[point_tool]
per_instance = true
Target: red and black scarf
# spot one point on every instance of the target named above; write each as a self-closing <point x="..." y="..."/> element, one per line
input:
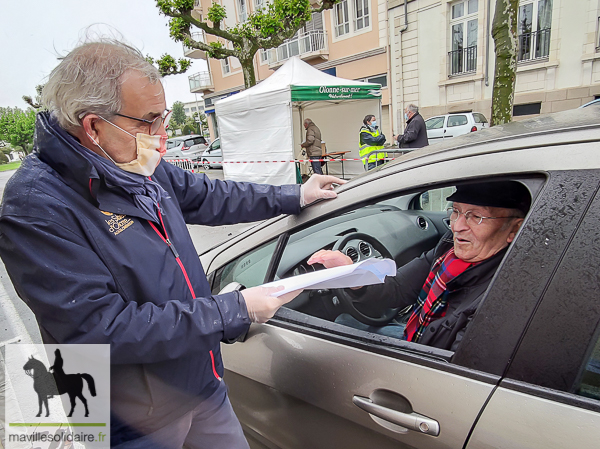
<point x="433" y="300"/>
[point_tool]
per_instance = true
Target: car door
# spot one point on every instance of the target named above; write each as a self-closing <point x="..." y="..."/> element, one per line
<point x="456" y="125"/>
<point x="302" y="381"/>
<point x="435" y="128"/>
<point x="550" y="397"/>
<point x="214" y="155"/>
<point x="480" y="121"/>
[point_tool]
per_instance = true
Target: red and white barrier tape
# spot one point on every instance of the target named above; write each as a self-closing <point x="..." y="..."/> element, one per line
<point x="266" y="162"/>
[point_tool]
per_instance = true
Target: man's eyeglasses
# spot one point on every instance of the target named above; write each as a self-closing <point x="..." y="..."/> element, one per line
<point x="154" y="124"/>
<point x="470" y="217"/>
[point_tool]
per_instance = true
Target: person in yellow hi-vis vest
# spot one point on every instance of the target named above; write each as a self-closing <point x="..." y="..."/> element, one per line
<point x="371" y="143"/>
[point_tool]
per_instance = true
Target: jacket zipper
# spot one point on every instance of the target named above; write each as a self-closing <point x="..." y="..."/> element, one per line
<point x="212" y="359"/>
<point x="166" y="239"/>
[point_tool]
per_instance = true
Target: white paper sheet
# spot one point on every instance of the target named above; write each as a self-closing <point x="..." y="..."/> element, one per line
<point x="367" y="272"/>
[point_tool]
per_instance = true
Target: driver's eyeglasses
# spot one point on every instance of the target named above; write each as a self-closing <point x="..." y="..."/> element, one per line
<point x="162" y="119"/>
<point x="470" y="217"/>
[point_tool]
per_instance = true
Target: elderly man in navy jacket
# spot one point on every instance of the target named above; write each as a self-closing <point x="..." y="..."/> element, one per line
<point x="93" y="235"/>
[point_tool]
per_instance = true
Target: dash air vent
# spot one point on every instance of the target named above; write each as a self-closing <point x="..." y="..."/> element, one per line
<point x="364" y="249"/>
<point x="422" y="222"/>
<point x="352" y="254"/>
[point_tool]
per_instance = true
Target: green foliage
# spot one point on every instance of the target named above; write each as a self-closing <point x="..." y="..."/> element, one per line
<point x="266" y="28"/>
<point x="216" y="13"/>
<point x="17" y="127"/>
<point x="178" y="115"/>
<point x="37" y="103"/>
<point x="167" y="65"/>
<point x="3" y="158"/>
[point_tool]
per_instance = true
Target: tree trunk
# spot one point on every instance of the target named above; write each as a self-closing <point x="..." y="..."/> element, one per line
<point x="248" y="71"/>
<point x="504" y="32"/>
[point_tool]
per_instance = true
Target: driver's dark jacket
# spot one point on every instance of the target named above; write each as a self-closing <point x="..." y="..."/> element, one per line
<point x="465" y="293"/>
<point x="93" y="269"/>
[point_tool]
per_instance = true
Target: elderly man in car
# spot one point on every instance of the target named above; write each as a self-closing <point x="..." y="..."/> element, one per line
<point x="446" y="285"/>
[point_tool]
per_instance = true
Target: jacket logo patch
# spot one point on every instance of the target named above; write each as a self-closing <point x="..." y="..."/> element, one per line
<point x="117" y="223"/>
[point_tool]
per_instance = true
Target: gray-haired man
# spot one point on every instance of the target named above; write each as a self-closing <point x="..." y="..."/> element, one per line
<point x="93" y="235"/>
<point x="415" y="134"/>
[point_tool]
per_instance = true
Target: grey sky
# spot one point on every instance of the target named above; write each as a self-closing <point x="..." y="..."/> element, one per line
<point x="34" y="32"/>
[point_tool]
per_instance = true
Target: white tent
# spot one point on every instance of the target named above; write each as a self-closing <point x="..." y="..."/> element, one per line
<point x="264" y="123"/>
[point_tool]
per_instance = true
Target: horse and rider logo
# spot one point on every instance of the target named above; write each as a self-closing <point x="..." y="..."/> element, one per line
<point x="49" y="384"/>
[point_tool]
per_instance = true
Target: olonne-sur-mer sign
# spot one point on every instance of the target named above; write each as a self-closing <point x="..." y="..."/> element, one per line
<point x="315" y="93"/>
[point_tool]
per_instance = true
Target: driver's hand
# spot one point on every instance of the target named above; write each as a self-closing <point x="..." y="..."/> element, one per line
<point x="330" y="259"/>
<point x="261" y="305"/>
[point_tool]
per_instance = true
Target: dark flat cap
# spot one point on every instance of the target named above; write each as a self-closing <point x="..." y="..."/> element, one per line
<point x="508" y="194"/>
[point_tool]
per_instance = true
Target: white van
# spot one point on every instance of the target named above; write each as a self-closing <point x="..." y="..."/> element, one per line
<point x="452" y="125"/>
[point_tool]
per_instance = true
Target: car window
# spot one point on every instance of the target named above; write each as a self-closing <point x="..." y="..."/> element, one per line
<point x="199" y="141"/>
<point x="479" y="118"/>
<point x="589" y="385"/>
<point x="248" y="270"/>
<point x="172" y="144"/>
<point x="216" y="144"/>
<point x="434" y="123"/>
<point x="457" y="120"/>
<point x="435" y="200"/>
<point x="189" y="142"/>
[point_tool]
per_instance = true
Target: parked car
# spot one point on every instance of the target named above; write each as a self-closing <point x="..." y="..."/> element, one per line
<point x="596" y="101"/>
<point x="527" y="372"/>
<point x="452" y="125"/>
<point x="186" y="147"/>
<point x="213" y="157"/>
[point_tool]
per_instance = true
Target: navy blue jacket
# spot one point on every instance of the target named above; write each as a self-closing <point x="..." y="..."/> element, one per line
<point x="96" y="269"/>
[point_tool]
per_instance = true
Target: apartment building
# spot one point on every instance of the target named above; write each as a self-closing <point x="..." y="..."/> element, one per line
<point x="443" y="58"/>
<point x="193" y="106"/>
<point x="350" y="41"/>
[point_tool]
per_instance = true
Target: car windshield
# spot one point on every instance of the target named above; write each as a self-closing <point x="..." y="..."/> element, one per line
<point x="434" y="123"/>
<point x="172" y="143"/>
<point x="479" y="118"/>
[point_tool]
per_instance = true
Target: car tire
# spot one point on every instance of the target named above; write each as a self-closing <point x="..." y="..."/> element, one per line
<point x="205" y="164"/>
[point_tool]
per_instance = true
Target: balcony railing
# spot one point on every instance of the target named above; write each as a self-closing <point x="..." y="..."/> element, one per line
<point x="304" y="44"/>
<point x="462" y="61"/>
<point x="197" y="36"/>
<point x="200" y="81"/>
<point x="534" y="45"/>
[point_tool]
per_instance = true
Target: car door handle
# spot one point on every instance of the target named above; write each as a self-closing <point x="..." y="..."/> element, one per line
<point x="411" y="421"/>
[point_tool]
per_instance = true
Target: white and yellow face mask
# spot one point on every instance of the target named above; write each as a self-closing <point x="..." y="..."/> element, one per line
<point x="150" y="149"/>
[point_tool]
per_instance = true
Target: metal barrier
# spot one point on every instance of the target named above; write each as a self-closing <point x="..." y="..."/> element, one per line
<point x="184" y="164"/>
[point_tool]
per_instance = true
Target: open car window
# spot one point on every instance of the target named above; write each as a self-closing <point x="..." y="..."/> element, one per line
<point x="403" y="228"/>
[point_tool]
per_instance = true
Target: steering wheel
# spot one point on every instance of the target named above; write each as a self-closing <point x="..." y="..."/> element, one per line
<point x="346" y="300"/>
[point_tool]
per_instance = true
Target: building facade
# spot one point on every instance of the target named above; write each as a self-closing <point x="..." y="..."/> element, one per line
<point x="192" y="107"/>
<point x="438" y="54"/>
<point x="349" y="41"/>
<point x="443" y="56"/>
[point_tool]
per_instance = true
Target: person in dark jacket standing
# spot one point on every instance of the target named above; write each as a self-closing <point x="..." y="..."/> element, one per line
<point x="415" y="134"/>
<point x="445" y="285"/>
<point x="312" y="144"/>
<point x="371" y="141"/>
<point x="93" y="235"/>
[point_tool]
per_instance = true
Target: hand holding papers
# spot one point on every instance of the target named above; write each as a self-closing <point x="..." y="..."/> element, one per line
<point x="367" y="272"/>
